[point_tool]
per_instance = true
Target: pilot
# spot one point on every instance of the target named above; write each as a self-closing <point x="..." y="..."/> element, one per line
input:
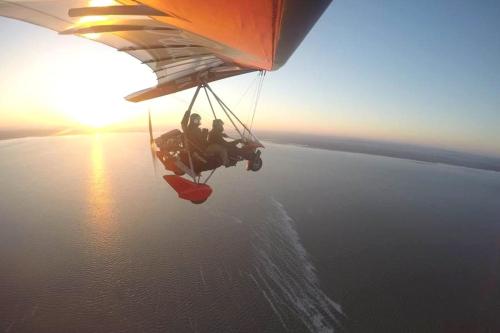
<point x="197" y="136"/>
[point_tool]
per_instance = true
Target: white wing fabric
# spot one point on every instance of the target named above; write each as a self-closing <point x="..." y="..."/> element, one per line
<point x="183" y="42"/>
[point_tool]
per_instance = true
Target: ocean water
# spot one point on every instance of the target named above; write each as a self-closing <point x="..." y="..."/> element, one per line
<point x="92" y="239"/>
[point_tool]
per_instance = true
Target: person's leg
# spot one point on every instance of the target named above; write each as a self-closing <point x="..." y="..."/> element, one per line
<point x="241" y="152"/>
<point x="224" y="157"/>
<point x="219" y="150"/>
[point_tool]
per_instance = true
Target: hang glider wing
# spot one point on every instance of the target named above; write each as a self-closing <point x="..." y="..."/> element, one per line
<point x="182" y="41"/>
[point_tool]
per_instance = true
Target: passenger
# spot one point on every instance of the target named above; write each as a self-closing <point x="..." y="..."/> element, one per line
<point x="196" y="136"/>
<point x="218" y="146"/>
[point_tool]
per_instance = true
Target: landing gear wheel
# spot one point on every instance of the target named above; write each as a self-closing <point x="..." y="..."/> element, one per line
<point x="255" y="165"/>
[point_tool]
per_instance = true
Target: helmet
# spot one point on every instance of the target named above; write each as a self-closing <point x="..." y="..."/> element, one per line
<point x="195" y="119"/>
<point x="218" y="124"/>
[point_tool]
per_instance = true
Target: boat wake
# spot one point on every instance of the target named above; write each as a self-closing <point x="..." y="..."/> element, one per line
<point x="287" y="278"/>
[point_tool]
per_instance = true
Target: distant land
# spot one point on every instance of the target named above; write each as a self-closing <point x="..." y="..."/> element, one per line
<point x="353" y="145"/>
<point x="389" y="149"/>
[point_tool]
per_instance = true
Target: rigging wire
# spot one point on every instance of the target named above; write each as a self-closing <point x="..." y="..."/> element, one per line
<point x="252" y="99"/>
<point x="247" y="90"/>
<point x="256" y="99"/>
<point x="261" y="83"/>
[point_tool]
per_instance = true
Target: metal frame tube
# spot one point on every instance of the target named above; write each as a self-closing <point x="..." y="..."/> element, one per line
<point x="186" y="140"/>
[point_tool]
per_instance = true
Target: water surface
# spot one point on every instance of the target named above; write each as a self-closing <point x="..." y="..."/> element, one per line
<point x="92" y="240"/>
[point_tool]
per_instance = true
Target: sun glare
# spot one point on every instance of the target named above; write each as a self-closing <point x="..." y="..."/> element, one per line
<point x="101" y="3"/>
<point x="91" y="19"/>
<point x="98" y="112"/>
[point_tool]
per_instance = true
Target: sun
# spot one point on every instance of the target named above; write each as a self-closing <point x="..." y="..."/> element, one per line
<point x="95" y="118"/>
<point x="93" y="108"/>
<point x="88" y="92"/>
<point x="95" y="113"/>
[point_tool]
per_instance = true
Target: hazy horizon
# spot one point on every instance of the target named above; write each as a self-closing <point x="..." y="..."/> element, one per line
<point x="402" y="150"/>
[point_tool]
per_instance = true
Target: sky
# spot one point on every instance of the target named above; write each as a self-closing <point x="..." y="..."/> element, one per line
<point x="420" y="72"/>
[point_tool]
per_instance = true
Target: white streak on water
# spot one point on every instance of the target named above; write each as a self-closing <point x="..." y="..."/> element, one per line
<point x="202" y="276"/>
<point x="274" y="309"/>
<point x="287" y="278"/>
<point x="237" y="220"/>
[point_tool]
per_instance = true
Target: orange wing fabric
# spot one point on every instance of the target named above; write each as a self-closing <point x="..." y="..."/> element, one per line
<point x="247" y="27"/>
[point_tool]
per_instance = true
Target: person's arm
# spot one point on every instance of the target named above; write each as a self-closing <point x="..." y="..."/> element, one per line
<point x="219" y="139"/>
<point x="234" y="142"/>
<point x="185" y="120"/>
<point x="222" y="140"/>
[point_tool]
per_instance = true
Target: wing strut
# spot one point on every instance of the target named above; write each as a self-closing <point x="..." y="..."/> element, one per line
<point x="115" y="10"/>
<point x="186" y="141"/>
<point x="230" y="113"/>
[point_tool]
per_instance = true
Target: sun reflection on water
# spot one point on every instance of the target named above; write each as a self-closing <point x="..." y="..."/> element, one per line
<point x="100" y="212"/>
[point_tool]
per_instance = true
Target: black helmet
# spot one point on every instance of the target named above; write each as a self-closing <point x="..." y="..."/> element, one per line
<point x="195" y="119"/>
<point x="217" y="122"/>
